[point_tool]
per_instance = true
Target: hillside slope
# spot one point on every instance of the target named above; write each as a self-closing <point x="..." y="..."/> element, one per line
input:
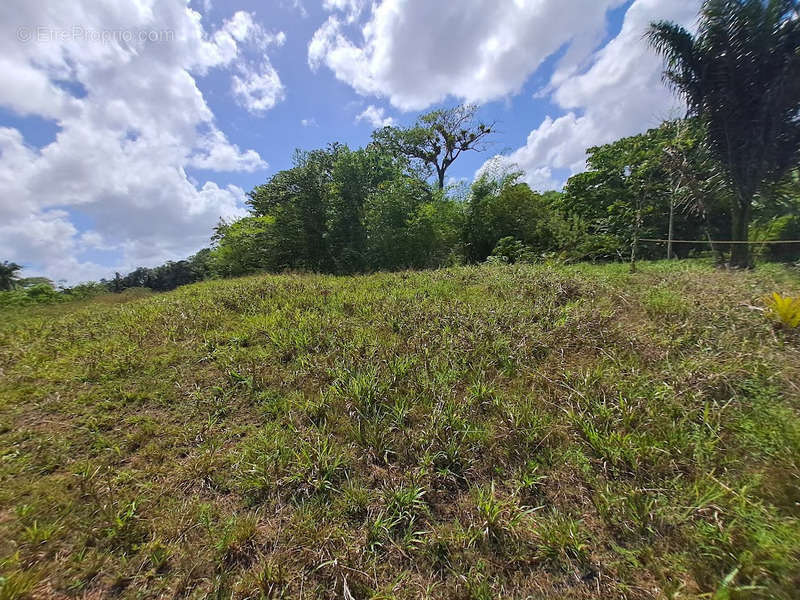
<point x="486" y="432"/>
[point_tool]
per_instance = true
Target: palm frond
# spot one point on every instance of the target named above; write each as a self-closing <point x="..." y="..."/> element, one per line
<point x="682" y="65"/>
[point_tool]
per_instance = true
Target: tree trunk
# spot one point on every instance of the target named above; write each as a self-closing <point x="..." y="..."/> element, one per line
<point x="441" y="178"/>
<point x="671" y="226"/>
<point x="740" y="220"/>
<point x="635" y="243"/>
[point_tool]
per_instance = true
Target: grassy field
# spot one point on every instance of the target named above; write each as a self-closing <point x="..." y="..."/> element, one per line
<point x="477" y="432"/>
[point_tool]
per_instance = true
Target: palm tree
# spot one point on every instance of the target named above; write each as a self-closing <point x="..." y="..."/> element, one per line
<point x="741" y="75"/>
<point x="8" y="274"/>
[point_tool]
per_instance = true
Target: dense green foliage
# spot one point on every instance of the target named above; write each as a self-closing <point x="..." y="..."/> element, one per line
<point x="502" y="208"/>
<point x="339" y="210"/>
<point x="344" y="211"/>
<point x="741" y="76"/>
<point x="167" y="276"/>
<point x="38" y="290"/>
<point x="636" y="178"/>
<point x="8" y="275"/>
<point x="437" y="139"/>
<point x="477" y="432"/>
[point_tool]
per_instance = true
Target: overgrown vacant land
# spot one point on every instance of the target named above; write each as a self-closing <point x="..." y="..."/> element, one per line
<point x="511" y="432"/>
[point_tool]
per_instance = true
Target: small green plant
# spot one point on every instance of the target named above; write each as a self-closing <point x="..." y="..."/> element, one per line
<point x="354" y="500"/>
<point x="406" y="503"/>
<point x="375" y="435"/>
<point x="481" y="393"/>
<point x="37" y="533"/>
<point x="268" y="579"/>
<point x="379" y="532"/>
<point x="562" y="540"/>
<point x="530" y="481"/>
<point x="158" y="554"/>
<point x="123" y="529"/>
<point x="399" y="522"/>
<point x="500" y="517"/>
<point x="318" y="467"/>
<point x="17" y="585"/>
<point x="235" y="539"/>
<point x="661" y="302"/>
<point x="478" y="585"/>
<point x="784" y="310"/>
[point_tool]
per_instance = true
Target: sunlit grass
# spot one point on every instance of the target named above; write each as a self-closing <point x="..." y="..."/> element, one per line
<point x="477" y="432"/>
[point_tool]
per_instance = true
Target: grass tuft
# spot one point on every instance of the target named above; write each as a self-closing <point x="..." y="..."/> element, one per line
<point x="502" y="431"/>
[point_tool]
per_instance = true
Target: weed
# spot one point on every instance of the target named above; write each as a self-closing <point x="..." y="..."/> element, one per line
<point x="399" y="523"/>
<point x="318" y="467"/>
<point x="38" y="534"/>
<point x="485" y="431"/>
<point x="17" y="585"/>
<point x="665" y="303"/>
<point x="355" y="500"/>
<point x="499" y="517"/>
<point x="481" y="394"/>
<point x="530" y="481"/>
<point x="234" y="540"/>
<point x="268" y="579"/>
<point x="562" y="540"/>
<point x="406" y="503"/>
<point x="784" y="310"/>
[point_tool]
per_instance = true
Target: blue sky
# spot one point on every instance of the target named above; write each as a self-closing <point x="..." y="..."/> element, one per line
<point x="119" y="150"/>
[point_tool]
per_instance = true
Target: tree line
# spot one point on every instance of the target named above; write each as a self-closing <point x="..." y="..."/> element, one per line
<point x="728" y="171"/>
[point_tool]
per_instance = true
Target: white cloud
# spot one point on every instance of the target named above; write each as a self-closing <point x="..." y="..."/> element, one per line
<point x="214" y="152"/>
<point x="620" y="94"/>
<point x="312" y="122"/>
<point x="123" y="146"/>
<point x="375" y="116"/>
<point x="296" y="5"/>
<point x="417" y="52"/>
<point x="353" y="8"/>
<point x="258" y="90"/>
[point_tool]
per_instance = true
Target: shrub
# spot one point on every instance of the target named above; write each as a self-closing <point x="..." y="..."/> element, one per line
<point x="510" y="250"/>
<point x="786" y="227"/>
<point x="784" y="310"/>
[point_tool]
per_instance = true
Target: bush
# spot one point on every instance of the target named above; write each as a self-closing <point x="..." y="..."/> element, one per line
<point x="510" y="250"/>
<point x="784" y="310"/>
<point x="507" y="211"/>
<point x="41" y="293"/>
<point x="786" y="227"/>
<point x="45" y="293"/>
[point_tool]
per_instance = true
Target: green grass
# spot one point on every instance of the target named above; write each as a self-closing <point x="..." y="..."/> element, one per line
<point x="477" y="432"/>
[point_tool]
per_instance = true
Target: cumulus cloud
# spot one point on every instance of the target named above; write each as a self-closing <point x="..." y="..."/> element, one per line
<point x="353" y="8"/>
<point x="375" y="116"/>
<point x="124" y="143"/>
<point x="417" y="52"/>
<point x="214" y="152"/>
<point x="258" y="90"/>
<point x="619" y="94"/>
<point x="256" y="87"/>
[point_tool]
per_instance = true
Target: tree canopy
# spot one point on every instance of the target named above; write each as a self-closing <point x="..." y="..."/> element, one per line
<point x="437" y="139"/>
<point x="8" y="274"/>
<point x="741" y="75"/>
<point x="633" y="181"/>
